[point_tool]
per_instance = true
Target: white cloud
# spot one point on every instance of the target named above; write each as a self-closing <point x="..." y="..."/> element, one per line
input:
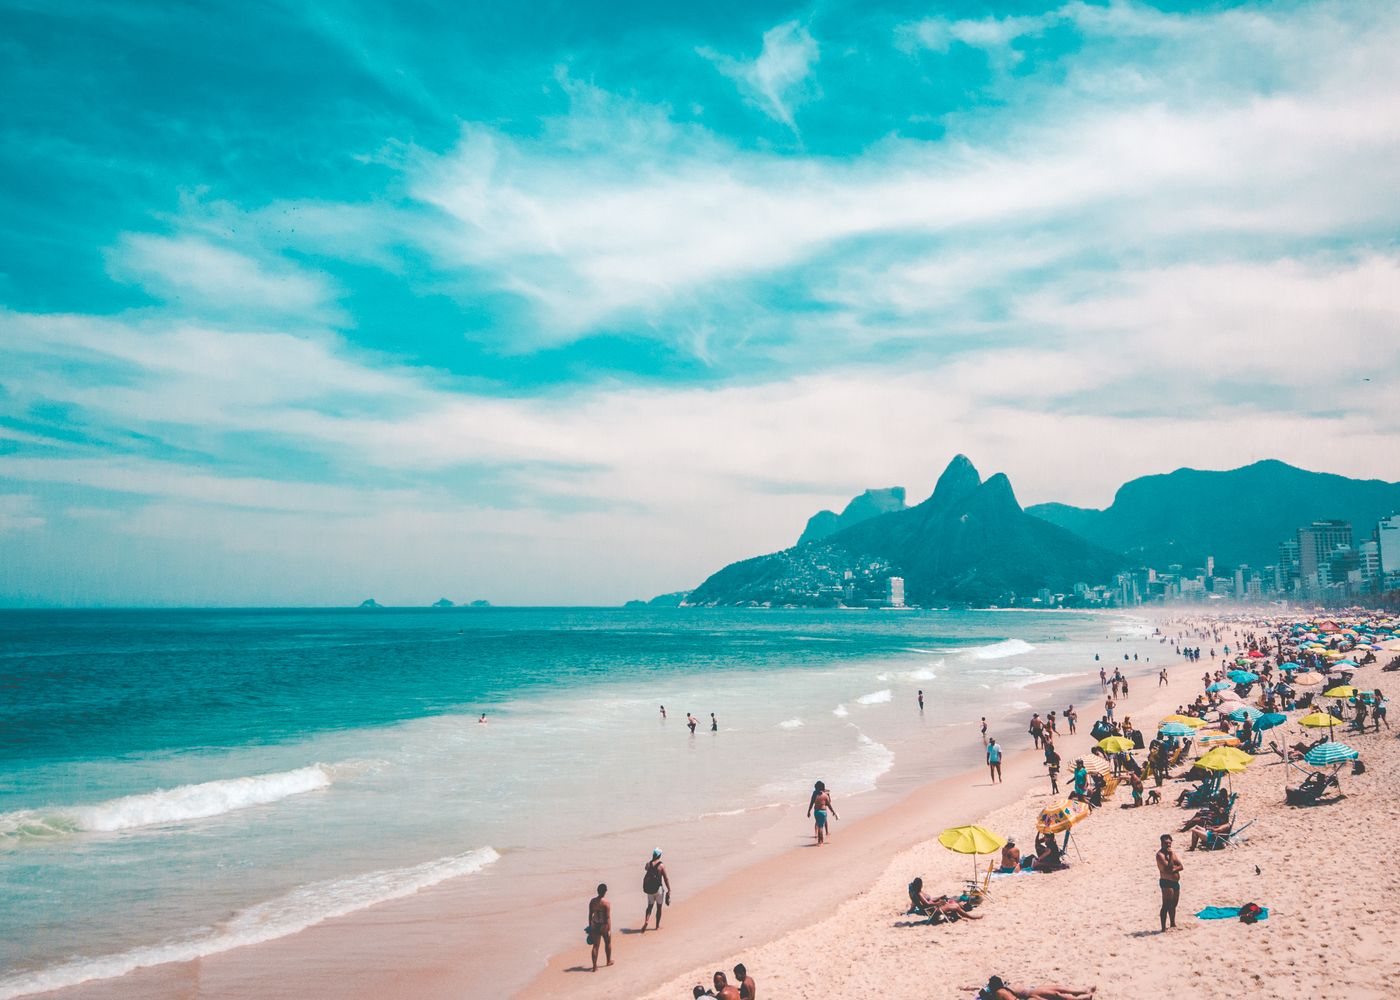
<point x="18" y="512"/>
<point x="774" y="80"/>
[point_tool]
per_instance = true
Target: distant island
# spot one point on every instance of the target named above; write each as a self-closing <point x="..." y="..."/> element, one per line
<point x="370" y="603"/>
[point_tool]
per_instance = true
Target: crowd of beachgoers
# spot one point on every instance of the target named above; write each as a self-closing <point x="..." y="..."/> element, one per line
<point x="1286" y="712"/>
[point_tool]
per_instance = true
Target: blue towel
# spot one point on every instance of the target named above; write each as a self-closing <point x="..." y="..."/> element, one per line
<point x="1222" y="912"/>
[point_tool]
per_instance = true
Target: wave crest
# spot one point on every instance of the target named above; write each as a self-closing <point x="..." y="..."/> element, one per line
<point x="999" y="650"/>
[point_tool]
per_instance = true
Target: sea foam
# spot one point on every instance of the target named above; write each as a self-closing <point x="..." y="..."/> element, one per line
<point x="789" y="723"/>
<point x="295" y="911"/>
<point x="163" y="806"/>
<point x="999" y="650"/>
<point x="875" y="697"/>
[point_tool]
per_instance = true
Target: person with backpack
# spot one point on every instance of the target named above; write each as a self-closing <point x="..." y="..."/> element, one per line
<point x="654" y="877"/>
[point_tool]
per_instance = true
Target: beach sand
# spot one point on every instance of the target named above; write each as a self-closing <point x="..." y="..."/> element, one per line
<point x="1324" y="873"/>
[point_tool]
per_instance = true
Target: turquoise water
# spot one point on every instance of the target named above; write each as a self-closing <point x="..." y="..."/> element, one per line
<point x="176" y="783"/>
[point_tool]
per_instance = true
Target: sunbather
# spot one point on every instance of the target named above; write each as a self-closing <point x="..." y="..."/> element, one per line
<point x="1010" y="857"/>
<point x="937" y="907"/>
<point x="1210" y="837"/>
<point x="999" y="989"/>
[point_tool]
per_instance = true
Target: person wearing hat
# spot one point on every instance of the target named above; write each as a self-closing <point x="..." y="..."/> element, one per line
<point x="1010" y="856"/>
<point x="653" y="881"/>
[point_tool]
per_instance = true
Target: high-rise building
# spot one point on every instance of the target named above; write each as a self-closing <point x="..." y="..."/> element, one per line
<point x="894" y="592"/>
<point x="1388" y="542"/>
<point x="1317" y="542"/>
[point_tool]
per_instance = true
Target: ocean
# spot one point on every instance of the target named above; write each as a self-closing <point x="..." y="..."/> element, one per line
<point x="179" y="783"/>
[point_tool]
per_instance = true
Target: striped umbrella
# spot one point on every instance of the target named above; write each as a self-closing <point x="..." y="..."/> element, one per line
<point x="1174" y="729"/>
<point x="1308" y="678"/>
<point x="1220" y="686"/>
<point x="1245" y="712"/>
<point x="1186" y="720"/>
<point x="1330" y="753"/>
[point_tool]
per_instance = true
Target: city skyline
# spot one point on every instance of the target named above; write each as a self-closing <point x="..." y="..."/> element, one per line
<point x="319" y="304"/>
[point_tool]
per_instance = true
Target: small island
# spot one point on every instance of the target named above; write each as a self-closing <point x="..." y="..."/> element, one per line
<point x="370" y="603"/>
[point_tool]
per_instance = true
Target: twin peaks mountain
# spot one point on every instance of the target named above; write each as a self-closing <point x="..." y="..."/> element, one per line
<point x="970" y="542"/>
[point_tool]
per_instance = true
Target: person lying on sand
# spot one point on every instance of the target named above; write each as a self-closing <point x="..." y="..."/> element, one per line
<point x="999" y="989"/>
<point x="950" y="909"/>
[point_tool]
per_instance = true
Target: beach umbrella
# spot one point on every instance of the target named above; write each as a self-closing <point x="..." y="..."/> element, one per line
<point x="1346" y="663"/>
<point x="1116" y="744"/>
<point x="1307" y="678"/>
<point x="1330" y="753"/>
<point x="1225" y="758"/>
<point x="1220" y="686"/>
<point x="1186" y="720"/>
<point x="1242" y="676"/>
<point x="1175" y="729"/>
<point x="1255" y="654"/>
<point x="1269" y="720"/>
<point x="972" y="840"/>
<point x="1316" y="720"/>
<point x="1340" y="691"/>
<point x="1207" y="738"/>
<point x="1058" y="818"/>
<point x="1245" y="712"/>
<point x="1290" y="665"/>
<point x="1096" y="765"/>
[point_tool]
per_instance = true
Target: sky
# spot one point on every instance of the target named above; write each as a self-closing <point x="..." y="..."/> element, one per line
<point x="570" y="303"/>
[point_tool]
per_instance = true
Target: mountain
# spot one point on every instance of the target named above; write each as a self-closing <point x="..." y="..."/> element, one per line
<point x="1238" y="516"/>
<point x="969" y="542"/>
<point x="871" y="503"/>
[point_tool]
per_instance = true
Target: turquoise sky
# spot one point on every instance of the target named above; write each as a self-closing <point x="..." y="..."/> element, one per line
<point x="304" y="303"/>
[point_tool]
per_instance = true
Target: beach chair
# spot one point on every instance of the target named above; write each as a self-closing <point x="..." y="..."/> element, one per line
<point x="1236" y="835"/>
<point x="976" y="891"/>
<point x="1311" y="791"/>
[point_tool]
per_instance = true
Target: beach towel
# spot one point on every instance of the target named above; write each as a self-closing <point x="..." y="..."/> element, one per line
<point x="1223" y="912"/>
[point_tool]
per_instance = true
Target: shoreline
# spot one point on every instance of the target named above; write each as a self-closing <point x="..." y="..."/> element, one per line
<point x="436" y="942"/>
<point x="706" y="926"/>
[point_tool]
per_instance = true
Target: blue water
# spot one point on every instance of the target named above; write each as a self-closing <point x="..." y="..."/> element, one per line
<point x="175" y="783"/>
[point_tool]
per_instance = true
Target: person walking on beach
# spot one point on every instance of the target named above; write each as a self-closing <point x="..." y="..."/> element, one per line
<point x="748" y="990"/>
<point x="1168" y="880"/>
<point x="984" y="730"/>
<point x="921" y="701"/>
<point x="1071" y="717"/>
<point x="714" y="723"/>
<point x="600" y="924"/>
<point x="1162" y="677"/>
<point x="994" y="759"/>
<point x="663" y="713"/>
<point x="1103" y="674"/>
<point x="691" y="722"/>
<point x="653" y="878"/>
<point x="1108" y="708"/>
<point x="820" y="805"/>
<point x="1052" y="767"/>
<point x="1036" y="729"/>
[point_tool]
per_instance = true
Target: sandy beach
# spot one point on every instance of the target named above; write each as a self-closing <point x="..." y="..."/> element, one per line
<point x="1330" y="933"/>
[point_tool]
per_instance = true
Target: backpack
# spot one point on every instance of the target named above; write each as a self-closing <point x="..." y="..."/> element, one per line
<point x="651" y="881"/>
<point x="1249" y="913"/>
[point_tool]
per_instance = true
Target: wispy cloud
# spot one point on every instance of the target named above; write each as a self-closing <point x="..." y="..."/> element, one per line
<point x="775" y="80"/>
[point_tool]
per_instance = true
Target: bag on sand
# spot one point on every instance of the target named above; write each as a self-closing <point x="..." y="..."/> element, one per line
<point x="1249" y="913"/>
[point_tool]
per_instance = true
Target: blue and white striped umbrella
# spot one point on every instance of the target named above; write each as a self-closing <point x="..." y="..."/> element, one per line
<point x="1245" y="712"/>
<point x="1220" y="686"/>
<point x="1330" y="753"/>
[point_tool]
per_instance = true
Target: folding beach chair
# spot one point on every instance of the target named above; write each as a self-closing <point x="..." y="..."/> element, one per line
<point x="1236" y="836"/>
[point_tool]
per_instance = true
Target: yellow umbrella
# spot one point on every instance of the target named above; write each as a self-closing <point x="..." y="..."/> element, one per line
<point x="1316" y="720"/>
<point x="1186" y="720"/>
<point x="972" y="840"/>
<point x="1061" y="817"/>
<point x="1225" y="759"/>
<point x="1340" y="691"/>
<point x="1333" y="654"/>
<point x="1116" y="744"/>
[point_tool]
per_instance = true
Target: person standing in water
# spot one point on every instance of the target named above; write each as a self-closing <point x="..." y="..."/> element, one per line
<point x="653" y="878"/>
<point x="820" y="805"/>
<point x="663" y="713"/>
<point x="600" y="924"/>
<point x="921" y="701"/>
<point x="714" y="723"/>
<point x="691" y="722"/>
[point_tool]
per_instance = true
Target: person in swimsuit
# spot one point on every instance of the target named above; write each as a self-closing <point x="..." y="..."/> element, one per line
<point x="747" y="989"/>
<point x="999" y="989"/>
<point x="654" y="877"/>
<point x="714" y="723"/>
<point x="723" y="989"/>
<point x="691" y="722"/>
<point x="1169" y="880"/>
<point x="921" y="701"/>
<point x="994" y="759"/>
<point x="818" y="807"/>
<point x="663" y="713"/>
<point x="600" y="924"/>
<point x="984" y="730"/>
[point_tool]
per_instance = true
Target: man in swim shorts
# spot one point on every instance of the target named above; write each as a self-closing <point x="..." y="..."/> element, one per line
<point x="600" y="924"/>
<point x="818" y="807"/>
<point x="1169" y="880"/>
<point x="994" y="759"/>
